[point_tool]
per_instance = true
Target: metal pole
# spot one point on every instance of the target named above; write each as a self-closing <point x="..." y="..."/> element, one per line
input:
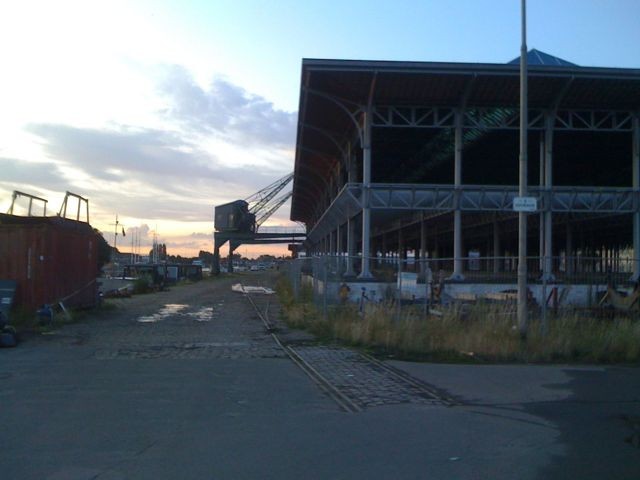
<point x="522" y="191"/>
<point x="457" y="213"/>
<point x="548" y="184"/>
<point x="541" y="215"/>
<point x="366" y="184"/>
<point x="115" y="238"/>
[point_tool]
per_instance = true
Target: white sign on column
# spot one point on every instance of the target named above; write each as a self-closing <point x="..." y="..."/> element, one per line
<point x="525" y="204"/>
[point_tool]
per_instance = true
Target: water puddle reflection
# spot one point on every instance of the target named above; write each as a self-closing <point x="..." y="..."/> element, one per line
<point x="167" y="310"/>
<point x="205" y="314"/>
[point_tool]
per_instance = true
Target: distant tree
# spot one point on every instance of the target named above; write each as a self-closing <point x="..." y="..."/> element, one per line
<point x="104" y="249"/>
<point x="206" y="257"/>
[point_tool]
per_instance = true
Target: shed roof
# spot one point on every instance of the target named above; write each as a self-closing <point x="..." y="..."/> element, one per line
<point x="332" y="88"/>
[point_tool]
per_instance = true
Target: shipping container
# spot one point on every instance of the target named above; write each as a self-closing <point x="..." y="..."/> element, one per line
<point x="52" y="259"/>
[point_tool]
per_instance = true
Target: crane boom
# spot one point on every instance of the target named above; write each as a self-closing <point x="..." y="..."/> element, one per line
<point x="271" y="208"/>
<point x="259" y="200"/>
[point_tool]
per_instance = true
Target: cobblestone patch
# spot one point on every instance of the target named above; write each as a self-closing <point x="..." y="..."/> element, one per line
<point x="364" y="382"/>
<point x="190" y="351"/>
<point x="201" y="321"/>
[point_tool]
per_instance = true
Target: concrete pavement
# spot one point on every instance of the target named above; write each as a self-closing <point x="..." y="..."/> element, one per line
<point x="231" y="409"/>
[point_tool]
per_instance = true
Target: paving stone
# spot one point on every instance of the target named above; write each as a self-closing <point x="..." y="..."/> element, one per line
<point x="362" y="381"/>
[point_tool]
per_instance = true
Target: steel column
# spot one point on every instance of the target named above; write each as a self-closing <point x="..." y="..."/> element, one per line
<point x="366" y="184"/>
<point x="457" y="214"/>
<point x="423" y="246"/>
<point x="541" y="215"/>
<point x="352" y="175"/>
<point x="230" y="258"/>
<point x="548" y="183"/>
<point x="402" y="252"/>
<point x="332" y="243"/>
<point x="569" y="248"/>
<point x="351" y="243"/>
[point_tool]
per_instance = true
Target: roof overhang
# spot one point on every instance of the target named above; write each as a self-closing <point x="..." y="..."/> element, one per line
<point x="334" y="93"/>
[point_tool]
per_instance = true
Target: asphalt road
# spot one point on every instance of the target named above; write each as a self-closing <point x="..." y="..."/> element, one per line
<point x="186" y="384"/>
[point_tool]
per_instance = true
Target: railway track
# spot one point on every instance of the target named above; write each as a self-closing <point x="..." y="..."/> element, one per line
<point x="263" y="313"/>
<point x="355" y="381"/>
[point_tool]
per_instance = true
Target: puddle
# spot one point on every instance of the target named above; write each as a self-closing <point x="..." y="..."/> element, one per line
<point x="248" y="289"/>
<point x="167" y="310"/>
<point x="205" y="314"/>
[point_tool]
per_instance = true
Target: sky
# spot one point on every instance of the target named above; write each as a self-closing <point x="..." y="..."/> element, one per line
<point x="158" y="110"/>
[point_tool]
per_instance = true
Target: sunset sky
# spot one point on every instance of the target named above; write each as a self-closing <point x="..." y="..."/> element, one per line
<point x="158" y="110"/>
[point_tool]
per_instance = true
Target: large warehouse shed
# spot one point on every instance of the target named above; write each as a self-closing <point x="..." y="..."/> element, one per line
<point x="418" y="156"/>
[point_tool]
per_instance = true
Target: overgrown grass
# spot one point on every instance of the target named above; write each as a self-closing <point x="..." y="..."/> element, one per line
<point x="143" y="284"/>
<point x="481" y="333"/>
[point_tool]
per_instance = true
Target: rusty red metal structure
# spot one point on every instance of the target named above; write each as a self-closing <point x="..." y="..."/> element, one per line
<point x="52" y="259"/>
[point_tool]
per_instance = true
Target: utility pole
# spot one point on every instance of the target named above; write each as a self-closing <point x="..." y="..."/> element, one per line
<point x="115" y="238"/>
<point x="522" y="190"/>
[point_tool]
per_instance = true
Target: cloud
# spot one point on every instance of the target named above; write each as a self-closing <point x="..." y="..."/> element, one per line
<point x="227" y="110"/>
<point x="201" y="236"/>
<point x="17" y="172"/>
<point x="141" y="232"/>
<point x="161" y="173"/>
<point x="100" y="152"/>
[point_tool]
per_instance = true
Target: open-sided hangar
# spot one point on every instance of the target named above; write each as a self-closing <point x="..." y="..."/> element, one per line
<point x="397" y="156"/>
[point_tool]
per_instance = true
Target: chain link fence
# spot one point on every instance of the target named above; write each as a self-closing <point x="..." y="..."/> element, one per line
<point x="430" y="286"/>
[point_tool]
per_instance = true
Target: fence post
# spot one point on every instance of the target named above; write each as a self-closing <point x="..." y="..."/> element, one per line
<point x="361" y="305"/>
<point x="428" y="281"/>
<point x="544" y="301"/>
<point x="399" y="295"/>
<point x="296" y="271"/>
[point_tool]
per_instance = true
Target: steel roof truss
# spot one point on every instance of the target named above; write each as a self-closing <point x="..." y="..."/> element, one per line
<point x="500" y="118"/>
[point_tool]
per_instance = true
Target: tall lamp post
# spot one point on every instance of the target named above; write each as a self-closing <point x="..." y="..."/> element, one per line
<point x="522" y="190"/>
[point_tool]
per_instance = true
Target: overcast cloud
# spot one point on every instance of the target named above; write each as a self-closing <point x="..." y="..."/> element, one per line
<point x="227" y="110"/>
<point x="162" y="160"/>
<point x="17" y="172"/>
